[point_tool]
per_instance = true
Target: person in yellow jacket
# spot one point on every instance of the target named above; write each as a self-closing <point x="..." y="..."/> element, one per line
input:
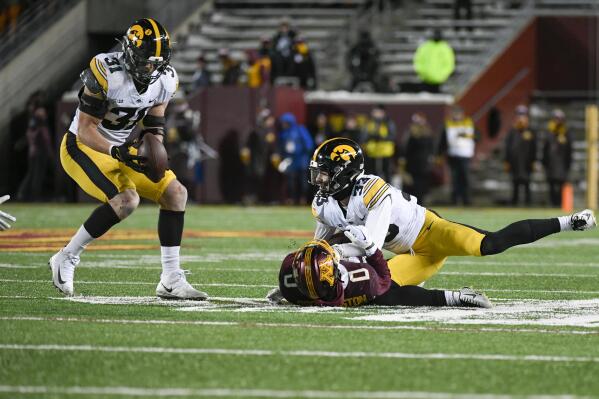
<point x="434" y="62"/>
<point x="379" y="146"/>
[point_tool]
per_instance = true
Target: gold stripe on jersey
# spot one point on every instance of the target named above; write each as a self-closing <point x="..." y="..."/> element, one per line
<point x="157" y="34"/>
<point x="370" y="190"/>
<point x="368" y="185"/>
<point x="98" y="75"/>
<point x="101" y="68"/>
<point x="380" y="194"/>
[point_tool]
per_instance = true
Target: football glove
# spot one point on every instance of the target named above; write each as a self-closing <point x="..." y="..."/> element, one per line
<point x="121" y="153"/>
<point x="275" y="297"/>
<point x="5" y="218"/>
<point x="360" y="237"/>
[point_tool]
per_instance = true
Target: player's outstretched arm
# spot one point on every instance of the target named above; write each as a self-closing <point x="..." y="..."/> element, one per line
<point x="5" y="218"/>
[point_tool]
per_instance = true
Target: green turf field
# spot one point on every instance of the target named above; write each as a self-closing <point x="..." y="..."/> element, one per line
<point x="115" y="339"/>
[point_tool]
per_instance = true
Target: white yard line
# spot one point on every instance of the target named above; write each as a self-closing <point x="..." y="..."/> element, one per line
<point x="297" y="325"/>
<point x="263" y="393"/>
<point x="6" y="280"/>
<point x="301" y="353"/>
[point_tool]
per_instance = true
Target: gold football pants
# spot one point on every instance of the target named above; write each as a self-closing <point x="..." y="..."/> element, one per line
<point x="102" y="176"/>
<point x="438" y="239"/>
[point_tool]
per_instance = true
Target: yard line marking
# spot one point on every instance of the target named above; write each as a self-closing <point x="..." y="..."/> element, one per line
<point x="297" y="325"/>
<point x="301" y="353"/>
<point x="6" y="280"/>
<point x="263" y="393"/>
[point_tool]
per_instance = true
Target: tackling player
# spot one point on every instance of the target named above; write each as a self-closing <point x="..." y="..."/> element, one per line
<point x="421" y="238"/>
<point x="314" y="276"/>
<point x="121" y="89"/>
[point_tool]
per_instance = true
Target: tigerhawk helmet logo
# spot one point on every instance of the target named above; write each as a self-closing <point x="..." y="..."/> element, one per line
<point x="343" y="152"/>
<point x="136" y="34"/>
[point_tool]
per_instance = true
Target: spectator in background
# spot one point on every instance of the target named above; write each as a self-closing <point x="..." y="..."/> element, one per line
<point x="303" y="65"/>
<point x="434" y="62"/>
<point x="295" y="146"/>
<point x="363" y="62"/>
<point x="466" y="15"/>
<point x="258" y="72"/>
<point x="231" y="68"/>
<point x="520" y="154"/>
<point x="201" y="77"/>
<point x="557" y="155"/>
<point x="281" y="52"/>
<point x="458" y="142"/>
<point x="379" y="146"/>
<point x="255" y="156"/>
<point x="181" y="126"/>
<point x="417" y="157"/>
<point x="322" y="129"/>
<point x="351" y="130"/>
<point x="40" y="151"/>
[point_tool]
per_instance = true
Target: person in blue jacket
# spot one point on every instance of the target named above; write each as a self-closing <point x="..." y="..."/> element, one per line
<point x="295" y="146"/>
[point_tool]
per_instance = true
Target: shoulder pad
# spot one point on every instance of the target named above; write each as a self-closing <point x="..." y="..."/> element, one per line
<point x="99" y="72"/>
<point x="90" y="81"/>
<point x="374" y="190"/>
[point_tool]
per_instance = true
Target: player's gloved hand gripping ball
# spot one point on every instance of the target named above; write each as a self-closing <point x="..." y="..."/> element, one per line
<point x="360" y="237"/>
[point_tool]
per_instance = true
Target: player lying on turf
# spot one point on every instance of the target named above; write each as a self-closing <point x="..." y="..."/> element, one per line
<point x="421" y="238"/>
<point x="314" y="276"/>
<point x="120" y="90"/>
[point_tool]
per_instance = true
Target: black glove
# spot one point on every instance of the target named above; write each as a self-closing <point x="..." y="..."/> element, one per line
<point x="121" y="153"/>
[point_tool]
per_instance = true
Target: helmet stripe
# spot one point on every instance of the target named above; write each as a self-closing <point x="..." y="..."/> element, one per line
<point x="320" y="146"/>
<point x="157" y="34"/>
<point x="308" y="273"/>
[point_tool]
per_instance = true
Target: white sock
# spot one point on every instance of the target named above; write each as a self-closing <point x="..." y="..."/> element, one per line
<point x="170" y="260"/>
<point x="452" y="298"/>
<point x="564" y="223"/>
<point x="79" y="242"/>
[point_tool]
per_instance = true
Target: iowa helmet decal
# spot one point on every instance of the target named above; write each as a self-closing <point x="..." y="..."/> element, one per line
<point x="342" y="160"/>
<point x="147" y="49"/>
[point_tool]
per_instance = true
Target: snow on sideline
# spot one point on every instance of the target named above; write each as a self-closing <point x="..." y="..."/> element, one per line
<point x="370" y="327"/>
<point x="302" y="353"/>
<point x="261" y="393"/>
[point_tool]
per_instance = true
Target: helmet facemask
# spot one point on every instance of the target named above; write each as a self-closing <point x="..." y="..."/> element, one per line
<point x="144" y="69"/>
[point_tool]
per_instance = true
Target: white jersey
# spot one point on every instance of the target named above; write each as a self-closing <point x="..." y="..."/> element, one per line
<point x="126" y="106"/>
<point x="460" y="138"/>
<point x="392" y="217"/>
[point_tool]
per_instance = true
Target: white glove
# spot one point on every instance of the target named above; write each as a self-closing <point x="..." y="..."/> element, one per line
<point x="275" y="297"/>
<point x="5" y="218"/>
<point x="360" y="237"/>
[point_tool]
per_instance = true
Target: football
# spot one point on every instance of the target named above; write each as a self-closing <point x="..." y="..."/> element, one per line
<point x="157" y="158"/>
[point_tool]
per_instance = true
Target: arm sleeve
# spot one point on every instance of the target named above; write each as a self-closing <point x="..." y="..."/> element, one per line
<point x="323" y="232"/>
<point x="377" y="224"/>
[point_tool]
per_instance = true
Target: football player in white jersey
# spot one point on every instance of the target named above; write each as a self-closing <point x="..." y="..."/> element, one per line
<point x="421" y="239"/>
<point x="122" y="89"/>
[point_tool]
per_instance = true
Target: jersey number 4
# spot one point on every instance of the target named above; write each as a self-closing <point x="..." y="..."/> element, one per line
<point x="123" y="118"/>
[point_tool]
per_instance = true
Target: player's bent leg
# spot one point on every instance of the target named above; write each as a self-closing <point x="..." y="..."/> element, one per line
<point x="124" y="203"/>
<point x="173" y="283"/>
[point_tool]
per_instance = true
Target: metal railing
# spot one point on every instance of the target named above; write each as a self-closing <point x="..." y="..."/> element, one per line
<point x="31" y="22"/>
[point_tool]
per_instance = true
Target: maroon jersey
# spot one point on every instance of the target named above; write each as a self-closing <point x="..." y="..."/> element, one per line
<point x="362" y="281"/>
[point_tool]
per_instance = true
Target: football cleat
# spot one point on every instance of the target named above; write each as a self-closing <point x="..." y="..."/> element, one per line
<point x="473" y="299"/>
<point x="175" y="286"/>
<point x="62" y="264"/>
<point x="583" y="220"/>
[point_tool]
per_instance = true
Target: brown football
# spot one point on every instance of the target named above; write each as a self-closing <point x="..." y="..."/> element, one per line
<point x="157" y="159"/>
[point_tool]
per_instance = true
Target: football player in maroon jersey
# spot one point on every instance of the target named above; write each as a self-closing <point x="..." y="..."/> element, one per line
<point x="314" y="276"/>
